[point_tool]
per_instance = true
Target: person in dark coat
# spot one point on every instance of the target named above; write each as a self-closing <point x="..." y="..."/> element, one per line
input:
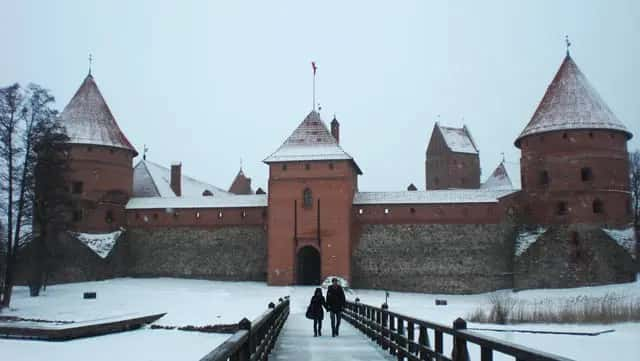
<point x="316" y="310"/>
<point x="335" y="303"/>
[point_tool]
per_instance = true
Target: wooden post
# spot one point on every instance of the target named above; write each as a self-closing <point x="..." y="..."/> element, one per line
<point x="378" y="325"/>
<point x="385" y="330"/>
<point x="459" y="352"/>
<point x="244" y="354"/>
<point x="400" y="342"/>
<point x="392" y="337"/>
<point x="411" y="336"/>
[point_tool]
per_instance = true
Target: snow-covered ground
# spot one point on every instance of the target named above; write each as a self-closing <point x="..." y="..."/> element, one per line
<point x="199" y="302"/>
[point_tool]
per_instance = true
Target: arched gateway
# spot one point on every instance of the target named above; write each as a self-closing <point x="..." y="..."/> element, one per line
<point x="308" y="269"/>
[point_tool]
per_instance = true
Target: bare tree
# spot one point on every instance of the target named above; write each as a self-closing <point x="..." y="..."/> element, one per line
<point x="634" y="170"/>
<point x="26" y="118"/>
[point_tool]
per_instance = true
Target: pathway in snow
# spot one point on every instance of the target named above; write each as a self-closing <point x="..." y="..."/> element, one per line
<point x="296" y="342"/>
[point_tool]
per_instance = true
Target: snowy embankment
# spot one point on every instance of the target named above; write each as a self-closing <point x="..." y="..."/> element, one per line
<point x="199" y="302"/>
<point x="187" y="302"/>
<point x="624" y="340"/>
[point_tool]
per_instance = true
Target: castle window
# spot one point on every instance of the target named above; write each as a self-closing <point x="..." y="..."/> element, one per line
<point x="598" y="206"/>
<point x="586" y="174"/>
<point x="155" y="216"/>
<point x="387" y="211"/>
<point x="220" y="214"/>
<point x="109" y="217"/>
<point x="77" y="215"/>
<point x="543" y="178"/>
<point x="307" y="198"/>
<point x="331" y="165"/>
<point x="197" y="215"/>
<point x="176" y="214"/>
<point x="564" y="135"/>
<point x="436" y="180"/>
<point x="76" y="187"/>
<point x="137" y="215"/>
<point x="243" y="214"/>
<point x="284" y="167"/>
<point x="111" y="151"/>
<point x="89" y="149"/>
<point x="360" y="211"/>
<point x="307" y="166"/>
<point x="207" y="193"/>
<point x="412" y="210"/>
<point x="561" y="208"/>
<point x="146" y="219"/>
<point x="590" y="134"/>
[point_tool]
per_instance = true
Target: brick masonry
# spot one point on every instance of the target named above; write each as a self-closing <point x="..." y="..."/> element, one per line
<point x="224" y="253"/>
<point x="435" y="258"/>
<point x="573" y="256"/>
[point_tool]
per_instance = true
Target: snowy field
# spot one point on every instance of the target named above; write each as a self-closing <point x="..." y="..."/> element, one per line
<point x="199" y="302"/>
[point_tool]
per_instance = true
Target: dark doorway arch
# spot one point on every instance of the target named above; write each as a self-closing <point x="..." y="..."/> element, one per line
<point x="308" y="266"/>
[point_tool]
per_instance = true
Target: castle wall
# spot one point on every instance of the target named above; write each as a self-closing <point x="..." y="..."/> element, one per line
<point x="434" y="258"/>
<point x="237" y="253"/>
<point x="453" y="213"/>
<point x="573" y="256"/>
<point x="196" y="217"/>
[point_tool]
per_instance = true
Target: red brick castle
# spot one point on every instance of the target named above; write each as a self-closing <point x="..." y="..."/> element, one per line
<point x="566" y="226"/>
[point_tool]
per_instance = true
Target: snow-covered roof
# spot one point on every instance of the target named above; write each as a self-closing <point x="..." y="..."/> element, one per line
<point x="570" y="102"/>
<point x="431" y="196"/>
<point x="311" y="140"/>
<point x="100" y="243"/>
<point x="458" y="140"/>
<point x="499" y="179"/>
<point x="228" y="201"/>
<point x="626" y="238"/>
<point x="153" y="180"/>
<point x="88" y="119"/>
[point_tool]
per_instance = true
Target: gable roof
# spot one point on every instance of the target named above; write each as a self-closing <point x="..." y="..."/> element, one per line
<point x="88" y="119"/>
<point x="241" y="184"/>
<point x="570" y="102"/>
<point x="311" y="140"/>
<point x="153" y="180"/>
<point x="498" y="180"/>
<point x="458" y="140"/>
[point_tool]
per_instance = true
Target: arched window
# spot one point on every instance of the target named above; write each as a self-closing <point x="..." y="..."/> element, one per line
<point x="586" y="174"/>
<point x="307" y="198"/>
<point x="207" y="193"/>
<point x="561" y="208"/>
<point x="598" y="206"/>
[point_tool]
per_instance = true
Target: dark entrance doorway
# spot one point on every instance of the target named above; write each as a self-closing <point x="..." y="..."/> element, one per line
<point x="308" y="266"/>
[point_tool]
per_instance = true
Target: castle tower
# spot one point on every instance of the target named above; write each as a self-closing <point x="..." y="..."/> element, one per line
<point x="452" y="159"/>
<point x="574" y="162"/>
<point x="101" y="175"/>
<point x="312" y="181"/>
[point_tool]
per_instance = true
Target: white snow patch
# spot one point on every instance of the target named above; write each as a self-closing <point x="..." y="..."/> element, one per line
<point x="526" y="238"/>
<point x="227" y="201"/>
<point x="100" y="243"/>
<point x="626" y="238"/>
<point x="432" y="196"/>
<point x="341" y="281"/>
<point x="458" y="140"/>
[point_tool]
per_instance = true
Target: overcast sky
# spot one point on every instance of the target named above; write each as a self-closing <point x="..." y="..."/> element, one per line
<point x="208" y="83"/>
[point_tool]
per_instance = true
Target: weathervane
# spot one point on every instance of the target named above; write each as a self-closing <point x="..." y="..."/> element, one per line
<point x="90" y="62"/>
<point x="144" y="150"/>
<point x="502" y="157"/>
<point x="566" y="39"/>
<point x="315" y="68"/>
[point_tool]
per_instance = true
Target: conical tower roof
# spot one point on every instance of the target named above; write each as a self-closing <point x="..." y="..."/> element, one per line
<point x="571" y="103"/>
<point x="88" y="120"/>
<point x="241" y="184"/>
<point x="499" y="179"/>
<point x="311" y="140"/>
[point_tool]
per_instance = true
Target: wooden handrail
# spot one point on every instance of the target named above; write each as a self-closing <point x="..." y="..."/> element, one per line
<point x="254" y="339"/>
<point x="396" y="333"/>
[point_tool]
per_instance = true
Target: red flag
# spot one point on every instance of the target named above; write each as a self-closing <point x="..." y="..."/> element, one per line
<point x="313" y="64"/>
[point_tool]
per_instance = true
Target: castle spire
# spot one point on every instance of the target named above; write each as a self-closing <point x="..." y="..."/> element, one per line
<point x="90" y="62"/>
<point x="568" y="43"/>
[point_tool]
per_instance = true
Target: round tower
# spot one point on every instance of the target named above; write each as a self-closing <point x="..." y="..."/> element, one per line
<point x="101" y="173"/>
<point x="574" y="162"/>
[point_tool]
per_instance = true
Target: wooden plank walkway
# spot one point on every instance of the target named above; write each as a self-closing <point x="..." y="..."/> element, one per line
<point x="296" y="342"/>
<point x="69" y="331"/>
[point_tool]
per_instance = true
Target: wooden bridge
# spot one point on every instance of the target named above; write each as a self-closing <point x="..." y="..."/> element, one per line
<point x="370" y="333"/>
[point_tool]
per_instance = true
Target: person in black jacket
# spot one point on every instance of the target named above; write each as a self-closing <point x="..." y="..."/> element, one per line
<point x="316" y="311"/>
<point x="335" y="303"/>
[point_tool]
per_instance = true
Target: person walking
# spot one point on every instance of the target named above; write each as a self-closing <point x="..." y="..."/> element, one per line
<point x="315" y="311"/>
<point x="335" y="303"/>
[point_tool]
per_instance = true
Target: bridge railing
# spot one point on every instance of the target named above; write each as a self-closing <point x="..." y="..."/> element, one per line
<point x="254" y="339"/>
<point x="408" y="338"/>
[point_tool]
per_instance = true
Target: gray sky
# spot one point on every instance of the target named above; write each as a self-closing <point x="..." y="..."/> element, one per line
<point x="208" y="83"/>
